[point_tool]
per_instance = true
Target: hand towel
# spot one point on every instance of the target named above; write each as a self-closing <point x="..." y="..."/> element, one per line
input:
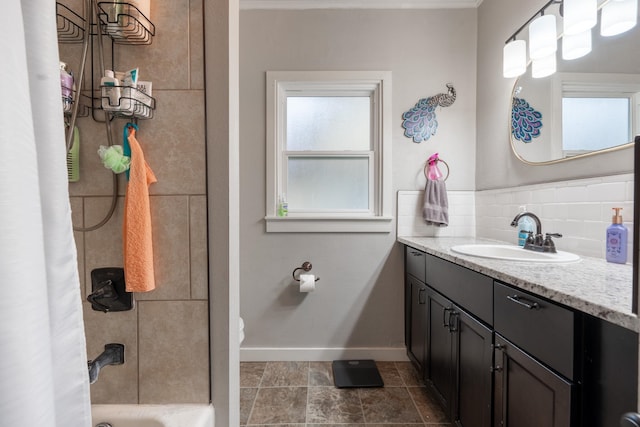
<point x="137" y="237"/>
<point x="436" y="205"/>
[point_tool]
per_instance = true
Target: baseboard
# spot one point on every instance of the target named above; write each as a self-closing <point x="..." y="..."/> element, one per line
<point x="270" y="354"/>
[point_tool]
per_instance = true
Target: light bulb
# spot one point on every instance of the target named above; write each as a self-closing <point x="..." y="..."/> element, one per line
<point x="542" y="37"/>
<point x="514" y="60"/>
<point x="579" y="15"/>
<point x="576" y="45"/>
<point x="543" y="67"/>
<point x="618" y="16"/>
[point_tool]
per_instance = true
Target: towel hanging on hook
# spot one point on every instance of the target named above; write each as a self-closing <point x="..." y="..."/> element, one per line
<point x="435" y="210"/>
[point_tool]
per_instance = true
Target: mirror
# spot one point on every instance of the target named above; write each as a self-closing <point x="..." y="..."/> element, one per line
<point x="572" y="113"/>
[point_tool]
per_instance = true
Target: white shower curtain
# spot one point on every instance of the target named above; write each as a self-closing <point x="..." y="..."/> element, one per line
<point x="43" y="365"/>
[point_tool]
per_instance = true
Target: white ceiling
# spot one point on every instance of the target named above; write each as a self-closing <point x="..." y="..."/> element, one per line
<point x="358" y="4"/>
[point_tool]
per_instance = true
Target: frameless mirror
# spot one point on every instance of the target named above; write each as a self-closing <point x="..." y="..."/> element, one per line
<point x="590" y="105"/>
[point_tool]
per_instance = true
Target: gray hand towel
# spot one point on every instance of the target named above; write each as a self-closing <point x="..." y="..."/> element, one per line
<point x="436" y="205"/>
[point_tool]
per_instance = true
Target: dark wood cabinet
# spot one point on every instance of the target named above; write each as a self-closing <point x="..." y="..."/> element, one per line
<point x="474" y="358"/>
<point x="415" y="308"/>
<point x="526" y="393"/>
<point x="499" y="356"/>
<point x="416" y="320"/>
<point x="439" y="363"/>
<point x="458" y="361"/>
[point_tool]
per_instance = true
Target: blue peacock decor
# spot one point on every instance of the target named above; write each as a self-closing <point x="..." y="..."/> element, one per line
<point x="525" y="121"/>
<point x="420" y="122"/>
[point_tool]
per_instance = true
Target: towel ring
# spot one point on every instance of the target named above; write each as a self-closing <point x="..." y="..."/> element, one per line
<point x="306" y="266"/>
<point x="426" y="165"/>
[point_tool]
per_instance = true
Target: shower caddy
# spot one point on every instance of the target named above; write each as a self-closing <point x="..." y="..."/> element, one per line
<point x="124" y="24"/>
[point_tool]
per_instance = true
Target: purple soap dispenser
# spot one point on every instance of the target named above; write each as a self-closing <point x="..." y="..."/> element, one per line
<point x="617" y="239"/>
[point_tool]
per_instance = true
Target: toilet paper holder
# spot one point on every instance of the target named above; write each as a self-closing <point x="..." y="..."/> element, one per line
<point x="306" y="266"/>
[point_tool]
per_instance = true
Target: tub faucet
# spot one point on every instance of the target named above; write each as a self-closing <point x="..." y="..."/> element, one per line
<point x="113" y="354"/>
<point x="537" y="242"/>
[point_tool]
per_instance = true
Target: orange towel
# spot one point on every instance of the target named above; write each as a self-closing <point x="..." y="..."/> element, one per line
<point x="137" y="238"/>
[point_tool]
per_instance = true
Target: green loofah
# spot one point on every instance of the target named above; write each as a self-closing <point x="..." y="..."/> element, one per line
<point x="114" y="159"/>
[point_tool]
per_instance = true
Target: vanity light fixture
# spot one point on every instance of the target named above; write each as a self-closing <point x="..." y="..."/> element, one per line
<point x="618" y="16"/>
<point x="576" y="45"/>
<point x="579" y="16"/>
<point x="514" y="58"/>
<point x="515" y="51"/>
<point x="543" y="39"/>
<point x="543" y="67"/>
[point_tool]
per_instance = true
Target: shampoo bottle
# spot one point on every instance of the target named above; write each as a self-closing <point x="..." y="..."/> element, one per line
<point x="617" y="239"/>
<point x="525" y="226"/>
<point x="110" y="91"/>
<point x="66" y="85"/>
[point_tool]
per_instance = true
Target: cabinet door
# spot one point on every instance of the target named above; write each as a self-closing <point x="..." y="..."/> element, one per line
<point x="416" y="321"/>
<point x="439" y="369"/>
<point x="473" y="358"/>
<point x="526" y="393"/>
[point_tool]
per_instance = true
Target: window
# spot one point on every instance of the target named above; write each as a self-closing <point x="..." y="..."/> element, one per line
<point x="595" y="123"/>
<point x="595" y="111"/>
<point x="329" y="151"/>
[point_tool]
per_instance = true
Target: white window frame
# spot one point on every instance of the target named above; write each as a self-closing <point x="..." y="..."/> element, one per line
<point x="280" y="84"/>
<point x="592" y="85"/>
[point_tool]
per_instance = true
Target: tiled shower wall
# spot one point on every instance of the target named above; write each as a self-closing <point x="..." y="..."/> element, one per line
<point x="166" y="336"/>
<point x="579" y="209"/>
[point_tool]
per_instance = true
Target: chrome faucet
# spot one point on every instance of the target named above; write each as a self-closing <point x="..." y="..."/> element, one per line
<point x="537" y="242"/>
<point x="113" y="354"/>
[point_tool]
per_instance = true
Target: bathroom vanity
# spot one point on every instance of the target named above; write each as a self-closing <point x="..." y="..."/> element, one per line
<point x="521" y="344"/>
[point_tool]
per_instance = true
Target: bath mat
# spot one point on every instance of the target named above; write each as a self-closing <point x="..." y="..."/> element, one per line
<point x="356" y="374"/>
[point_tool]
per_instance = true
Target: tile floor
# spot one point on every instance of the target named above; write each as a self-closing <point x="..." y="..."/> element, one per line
<point x="302" y="394"/>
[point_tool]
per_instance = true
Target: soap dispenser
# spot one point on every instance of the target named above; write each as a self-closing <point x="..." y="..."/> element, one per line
<point x="617" y="239"/>
<point x="526" y="226"/>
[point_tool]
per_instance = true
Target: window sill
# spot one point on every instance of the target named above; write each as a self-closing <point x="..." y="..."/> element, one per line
<point x="306" y="224"/>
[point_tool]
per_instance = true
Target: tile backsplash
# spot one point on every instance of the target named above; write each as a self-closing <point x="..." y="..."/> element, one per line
<point x="461" y="215"/>
<point x="581" y="210"/>
<point x="578" y="209"/>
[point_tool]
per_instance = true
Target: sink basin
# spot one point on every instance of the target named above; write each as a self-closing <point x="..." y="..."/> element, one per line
<point x="514" y="253"/>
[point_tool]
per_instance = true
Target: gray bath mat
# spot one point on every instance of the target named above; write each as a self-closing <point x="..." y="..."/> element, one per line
<point x="356" y="374"/>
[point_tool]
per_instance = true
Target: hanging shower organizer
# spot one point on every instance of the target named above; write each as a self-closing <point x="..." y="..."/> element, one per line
<point x="123" y="24"/>
<point x="71" y="29"/>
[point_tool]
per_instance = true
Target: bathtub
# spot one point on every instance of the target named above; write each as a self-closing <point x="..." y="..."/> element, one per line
<point x="170" y="415"/>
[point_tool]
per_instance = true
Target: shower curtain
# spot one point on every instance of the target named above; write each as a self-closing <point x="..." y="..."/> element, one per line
<point x="43" y="363"/>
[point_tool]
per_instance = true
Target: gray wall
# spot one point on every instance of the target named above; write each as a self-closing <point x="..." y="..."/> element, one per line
<point x="496" y="166"/>
<point x="359" y="299"/>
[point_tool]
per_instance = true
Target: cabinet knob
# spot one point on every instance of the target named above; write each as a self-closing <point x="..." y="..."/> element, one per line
<point x="497" y="368"/>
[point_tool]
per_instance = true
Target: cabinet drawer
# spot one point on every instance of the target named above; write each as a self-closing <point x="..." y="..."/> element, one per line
<point x="539" y="327"/>
<point x="468" y="289"/>
<point x="414" y="262"/>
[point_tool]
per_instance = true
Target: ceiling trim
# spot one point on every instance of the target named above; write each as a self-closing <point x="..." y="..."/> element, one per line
<point x="357" y="4"/>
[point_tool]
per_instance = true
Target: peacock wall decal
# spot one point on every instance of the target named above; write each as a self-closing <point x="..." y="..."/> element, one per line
<point x="525" y="120"/>
<point x="420" y="122"/>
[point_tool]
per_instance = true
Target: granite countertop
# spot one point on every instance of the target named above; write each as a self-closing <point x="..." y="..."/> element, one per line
<point x="590" y="285"/>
